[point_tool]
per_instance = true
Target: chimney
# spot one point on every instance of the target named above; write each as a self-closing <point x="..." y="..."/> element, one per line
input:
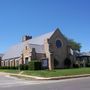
<point x="26" y="37"/>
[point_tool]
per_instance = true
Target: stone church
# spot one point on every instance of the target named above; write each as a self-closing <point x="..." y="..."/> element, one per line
<point x="51" y="49"/>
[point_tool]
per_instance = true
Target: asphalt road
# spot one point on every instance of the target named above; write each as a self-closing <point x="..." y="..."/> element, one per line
<point x="10" y="83"/>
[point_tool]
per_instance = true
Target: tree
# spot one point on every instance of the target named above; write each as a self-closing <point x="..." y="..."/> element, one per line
<point x="74" y="45"/>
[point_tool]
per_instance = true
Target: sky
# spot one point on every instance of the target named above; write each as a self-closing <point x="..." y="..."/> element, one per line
<point x="36" y="17"/>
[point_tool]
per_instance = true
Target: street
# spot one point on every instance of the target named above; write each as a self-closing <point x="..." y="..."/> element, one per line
<point x="11" y="83"/>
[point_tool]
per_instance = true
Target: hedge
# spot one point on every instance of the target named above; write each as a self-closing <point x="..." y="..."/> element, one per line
<point x="35" y="65"/>
<point x="8" y="67"/>
<point x="23" y="67"/>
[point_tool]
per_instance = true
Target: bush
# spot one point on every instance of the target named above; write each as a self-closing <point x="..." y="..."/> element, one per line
<point x="88" y="65"/>
<point x="23" y="67"/>
<point x="34" y="65"/>
<point x="67" y="63"/>
<point x="76" y="66"/>
<point x="8" y="67"/>
<point x="13" y="67"/>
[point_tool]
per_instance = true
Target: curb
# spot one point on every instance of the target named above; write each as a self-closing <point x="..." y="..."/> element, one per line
<point x="69" y="77"/>
<point x="51" y="78"/>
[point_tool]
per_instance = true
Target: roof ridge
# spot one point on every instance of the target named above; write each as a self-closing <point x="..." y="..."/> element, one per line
<point x="44" y="34"/>
<point x="35" y="44"/>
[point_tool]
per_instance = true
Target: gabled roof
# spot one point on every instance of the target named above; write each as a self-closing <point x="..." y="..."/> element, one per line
<point x="38" y="48"/>
<point x="85" y="54"/>
<point x="37" y="43"/>
<point x="40" y="40"/>
<point x="14" y="51"/>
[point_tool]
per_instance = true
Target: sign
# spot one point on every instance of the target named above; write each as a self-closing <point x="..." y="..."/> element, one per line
<point x="44" y="63"/>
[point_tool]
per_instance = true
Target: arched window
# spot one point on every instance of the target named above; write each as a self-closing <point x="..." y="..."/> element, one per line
<point x="58" y="43"/>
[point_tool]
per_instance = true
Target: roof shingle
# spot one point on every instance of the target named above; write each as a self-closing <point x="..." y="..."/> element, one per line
<point x="37" y="43"/>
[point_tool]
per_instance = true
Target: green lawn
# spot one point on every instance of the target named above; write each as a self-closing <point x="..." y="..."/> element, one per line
<point x="57" y="73"/>
<point x="9" y="71"/>
<point x="53" y="73"/>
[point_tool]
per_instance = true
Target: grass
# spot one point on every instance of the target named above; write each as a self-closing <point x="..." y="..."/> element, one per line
<point x="59" y="72"/>
<point x="9" y="71"/>
<point x="53" y="73"/>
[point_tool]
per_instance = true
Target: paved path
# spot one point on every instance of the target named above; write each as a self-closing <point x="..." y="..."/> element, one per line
<point x="10" y="83"/>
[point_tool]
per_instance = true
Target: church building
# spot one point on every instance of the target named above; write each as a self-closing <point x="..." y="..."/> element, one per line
<point x="52" y="49"/>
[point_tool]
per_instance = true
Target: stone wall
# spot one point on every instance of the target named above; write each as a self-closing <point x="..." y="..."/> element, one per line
<point x="52" y="52"/>
<point x="27" y="53"/>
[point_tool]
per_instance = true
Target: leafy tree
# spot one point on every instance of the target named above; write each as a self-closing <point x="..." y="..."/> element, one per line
<point x="74" y="45"/>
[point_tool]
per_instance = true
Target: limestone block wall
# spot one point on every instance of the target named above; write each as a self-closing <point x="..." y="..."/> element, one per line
<point x="17" y="61"/>
<point x="33" y="54"/>
<point x="27" y="53"/>
<point x="48" y="54"/>
<point x="52" y="52"/>
<point x="2" y="63"/>
<point x="59" y="53"/>
<point x="12" y="62"/>
<point x="6" y="63"/>
<point x="40" y="56"/>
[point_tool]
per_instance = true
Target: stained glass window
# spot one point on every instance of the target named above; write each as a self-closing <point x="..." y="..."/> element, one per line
<point x="58" y="44"/>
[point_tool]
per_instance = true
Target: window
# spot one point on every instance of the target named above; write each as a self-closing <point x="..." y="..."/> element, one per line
<point x="26" y="48"/>
<point x="26" y="60"/>
<point x="58" y="43"/>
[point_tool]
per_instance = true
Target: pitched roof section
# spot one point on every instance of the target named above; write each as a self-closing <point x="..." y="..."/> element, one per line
<point x="85" y="54"/>
<point x="37" y="43"/>
<point x="38" y="48"/>
<point x="40" y="40"/>
<point x="14" y="52"/>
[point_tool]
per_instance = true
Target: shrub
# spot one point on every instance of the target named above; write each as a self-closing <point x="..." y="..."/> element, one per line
<point x="76" y="66"/>
<point x="67" y="63"/>
<point x="35" y="65"/>
<point x="88" y="65"/>
<point x="13" y="67"/>
<point x="23" y="67"/>
<point x="8" y="67"/>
